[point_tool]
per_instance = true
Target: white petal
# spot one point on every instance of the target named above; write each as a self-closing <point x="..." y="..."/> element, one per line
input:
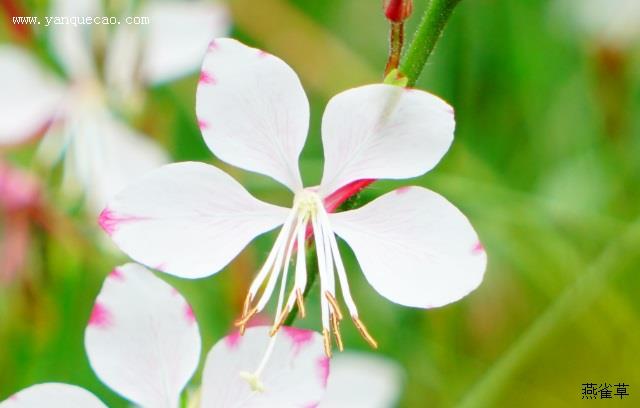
<point x="142" y="339"/>
<point x="253" y="111"/>
<point x="414" y="247"/>
<point x="53" y="395"/>
<point x="295" y="375"/>
<point x="121" y="62"/>
<point x="187" y="219"/>
<point x="70" y="42"/>
<point x="28" y="98"/>
<point x="362" y="380"/>
<point x="177" y="38"/>
<point x="114" y="156"/>
<point x="383" y="132"/>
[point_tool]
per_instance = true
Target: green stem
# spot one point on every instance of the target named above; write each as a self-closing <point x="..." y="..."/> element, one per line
<point x="426" y="37"/>
<point x="619" y="256"/>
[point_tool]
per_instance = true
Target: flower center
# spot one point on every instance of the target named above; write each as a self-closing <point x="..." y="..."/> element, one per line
<point x="307" y="202"/>
<point x="307" y="211"/>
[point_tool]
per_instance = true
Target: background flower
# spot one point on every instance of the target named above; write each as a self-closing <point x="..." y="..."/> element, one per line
<point x="101" y="152"/>
<point x="143" y="341"/>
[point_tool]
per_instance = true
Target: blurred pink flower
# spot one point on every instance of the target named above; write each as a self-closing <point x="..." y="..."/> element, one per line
<point x="19" y="203"/>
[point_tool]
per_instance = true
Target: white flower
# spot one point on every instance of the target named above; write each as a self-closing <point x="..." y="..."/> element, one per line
<point x="191" y="219"/>
<point x="101" y="153"/>
<point x="144" y="343"/>
<point x="610" y="22"/>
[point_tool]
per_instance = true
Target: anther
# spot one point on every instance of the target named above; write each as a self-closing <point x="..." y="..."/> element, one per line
<point x="364" y="332"/>
<point x="280" y="322"/>
<point x="327" y="342"/>
<point x="300" y="302"/>
<point x="247" y="304"/>
<point x="245" y="318"/>
<point x="335" y="326"/>
<point x="334" y="304"/>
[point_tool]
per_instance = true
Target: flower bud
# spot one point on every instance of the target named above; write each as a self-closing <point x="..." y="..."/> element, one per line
<point x="397" y="10"/>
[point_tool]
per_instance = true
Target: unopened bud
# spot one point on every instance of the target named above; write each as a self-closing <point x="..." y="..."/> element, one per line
<point x="397" y="10"/>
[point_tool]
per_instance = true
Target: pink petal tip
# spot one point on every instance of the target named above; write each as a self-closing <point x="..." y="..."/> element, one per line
<point x="116" y="274"/>
<point x="299" y="337"/>
<point x="403" y="190"/>
<point x="233" y="339"/>
<point x="202" y="124"/>
<point x="478" y="248"/>
<point x="188" y="313"/>
<point x="100" y="316"/>
<point x="110" y="222"/>
<point x="323" y="366"/>
<point x="207" y="78"/>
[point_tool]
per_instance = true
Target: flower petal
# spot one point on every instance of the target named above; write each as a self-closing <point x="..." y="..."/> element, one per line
<point x="414" y="247"/>
<point x="29" y="96"/>
<point x="52" y="395"/>
<point x="362" y="380"/>
<point x="383" y="132"/>
<point x="121" y="63"/>
<point x="295" y="375"/>
<point x="142" y="339"/>
<point x="178" y="36"/>
<point x="187" y="219"/>
<point x="253" y="111"/>
<point x="70" y="42"/>
<point x="113" y="154"/>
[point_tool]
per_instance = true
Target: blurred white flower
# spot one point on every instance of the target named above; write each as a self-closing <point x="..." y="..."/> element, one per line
<point x="101" y="153"/>
<point x="143" y="342"/>
<point x="363" y="380"/>
<point x="191" y="219"/>
<point x="614" y="23"/>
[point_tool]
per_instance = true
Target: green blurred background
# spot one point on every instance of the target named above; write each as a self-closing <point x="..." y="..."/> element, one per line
<point x="545" y="164"/>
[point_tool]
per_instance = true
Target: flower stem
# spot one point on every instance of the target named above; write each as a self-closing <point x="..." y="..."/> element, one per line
<point x="427" y="35"/>
<point x="395" y="46"/>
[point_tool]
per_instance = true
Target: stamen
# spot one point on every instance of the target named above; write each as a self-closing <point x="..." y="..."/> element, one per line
<point x="246" y="305"/>
<point x="334" y="305"/>
<point x="342" y="275"/>
<point x="327" y="342"/>
<point x="245" y="311"/>
<point x="335" y="326"/>
<point x="243" y="320"/>
<point x="322" y="272"/>
<point x="280" y="312"/>
<point x="364" y="332"/>
<point x="268" y="264"/>
<point x="300" y="301"/>
<point x="280" y="322"/>
<point x="281" y="265"/>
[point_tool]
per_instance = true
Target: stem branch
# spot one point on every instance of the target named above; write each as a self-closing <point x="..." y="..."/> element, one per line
<point x="427" y="35"/>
